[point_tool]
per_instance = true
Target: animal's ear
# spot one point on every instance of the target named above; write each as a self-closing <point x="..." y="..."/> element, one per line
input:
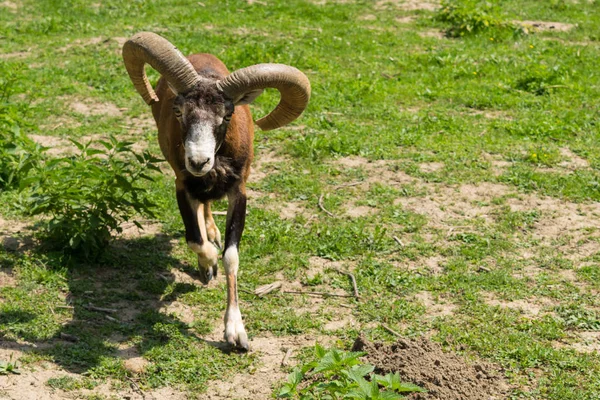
<point x="172" y="88"/>
<point x="249" y="97"/>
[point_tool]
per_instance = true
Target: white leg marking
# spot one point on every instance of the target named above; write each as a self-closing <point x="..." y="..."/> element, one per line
<point x="231" y="260"/>
<point x="235" y="334"/>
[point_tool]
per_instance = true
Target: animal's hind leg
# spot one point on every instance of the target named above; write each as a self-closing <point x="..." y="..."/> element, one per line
<point x="214" y="235"/>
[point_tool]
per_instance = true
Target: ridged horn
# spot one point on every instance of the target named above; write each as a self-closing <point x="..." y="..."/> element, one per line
<point x="291" y="83"/>
<point x="150" y="48"/>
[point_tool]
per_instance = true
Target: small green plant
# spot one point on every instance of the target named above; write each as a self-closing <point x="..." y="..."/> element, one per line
<point x="471" y="17"/>
<point x="18" y="153"/>
<point x="68" y="383"/>
<point x="336" y="374"/>
<point x="542" y="156"/>
<point x="88" y="196"/>
<point x="540" y="79"/>
<point x="8" y="367"/>
<point x="512" y="221"/>
<point x="577" y="317"/>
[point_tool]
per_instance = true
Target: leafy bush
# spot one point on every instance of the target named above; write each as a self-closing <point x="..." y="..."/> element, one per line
<point x="18" y="153"/>
<point x="89" y="195"/>
<point x="471" y="17"/>
<point x="340" y="375"/>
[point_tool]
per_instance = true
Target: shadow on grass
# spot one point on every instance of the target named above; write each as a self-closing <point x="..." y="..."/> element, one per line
<point x="117" y="308"/>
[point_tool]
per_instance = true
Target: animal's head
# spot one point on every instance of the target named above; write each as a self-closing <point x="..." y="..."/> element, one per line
<point x="204" y="106"/>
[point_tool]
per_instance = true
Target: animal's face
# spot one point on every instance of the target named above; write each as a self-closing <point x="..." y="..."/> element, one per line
<point x="204" y="116"/>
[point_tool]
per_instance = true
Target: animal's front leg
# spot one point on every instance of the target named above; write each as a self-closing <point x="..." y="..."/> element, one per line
<point x="235" y="334"/>
<point x="192" y="213"/>
<point x="214" y="235"/>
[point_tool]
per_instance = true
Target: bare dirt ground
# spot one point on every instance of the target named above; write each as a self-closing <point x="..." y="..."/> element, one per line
<point x="446" y="376"/>
<point x="424" y="362"/>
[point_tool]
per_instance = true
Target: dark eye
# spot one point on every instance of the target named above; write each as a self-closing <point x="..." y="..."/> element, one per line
<point x="227" y="118"/>
<point x="177" y="112"/>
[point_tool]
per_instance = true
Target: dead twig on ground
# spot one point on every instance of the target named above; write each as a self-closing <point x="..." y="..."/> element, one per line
<point x="287" y="355"/>
<point x="352" y="280"/>
<point x="397" y="239"/>
<point x="324" y="294"/>
<point x="323" y="208"/>
<point x="135" y="387"/>
<point x="343" y="185"/>
<point x="390" y="330"/>
<point x="266" y="289"/>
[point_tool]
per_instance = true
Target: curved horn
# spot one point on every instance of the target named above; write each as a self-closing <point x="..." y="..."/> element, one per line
<point x="291" y="83"/>
<point x="148" y="47"/>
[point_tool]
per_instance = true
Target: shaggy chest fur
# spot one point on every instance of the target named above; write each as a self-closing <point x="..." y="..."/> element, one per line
<point x="217" y="182"/>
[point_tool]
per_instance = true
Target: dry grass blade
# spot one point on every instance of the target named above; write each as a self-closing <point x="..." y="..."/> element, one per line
<point x="323" y="208"/>
<point x="352" y="280"/>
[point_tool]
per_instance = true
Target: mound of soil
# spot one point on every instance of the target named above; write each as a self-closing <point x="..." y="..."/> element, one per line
<point x="446" y="376"/>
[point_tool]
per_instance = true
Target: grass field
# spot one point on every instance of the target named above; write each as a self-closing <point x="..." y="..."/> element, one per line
<point x="462" y="173"/>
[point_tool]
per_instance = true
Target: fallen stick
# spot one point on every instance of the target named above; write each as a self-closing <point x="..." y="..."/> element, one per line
<point x="266" y="289"/>
<point x="287" y="355"/>
<point x="100" y="309"/>
<point x="324" y="294"/>
<point x="397" y="239"/>
<point x="136" y="388"/>
<point x="323" y="208"/>
<point x="353" y="280"/>
<point x="390" y="330"/>
<point x="343" y="185"/>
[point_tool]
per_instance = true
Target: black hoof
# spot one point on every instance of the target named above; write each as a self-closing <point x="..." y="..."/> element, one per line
<point x="205" y="275"/>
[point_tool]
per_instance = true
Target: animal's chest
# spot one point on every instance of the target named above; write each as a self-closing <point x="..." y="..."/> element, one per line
<point x="215" y="184"/>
